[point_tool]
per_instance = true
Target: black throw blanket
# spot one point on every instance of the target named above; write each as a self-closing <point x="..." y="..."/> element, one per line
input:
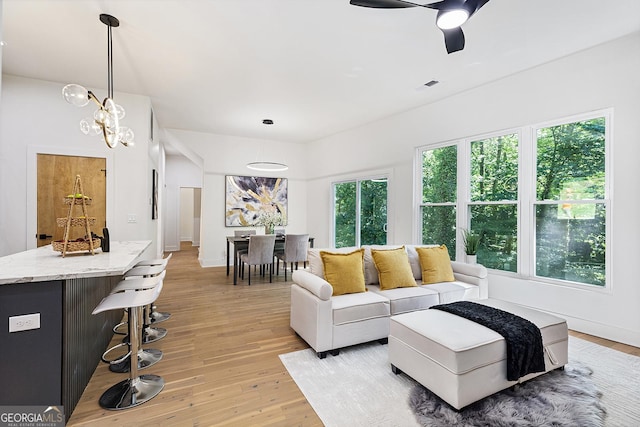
<point x="525" y="353"/>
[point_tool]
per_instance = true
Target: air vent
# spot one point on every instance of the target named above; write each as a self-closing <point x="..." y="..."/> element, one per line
<point x="431" y="83"/>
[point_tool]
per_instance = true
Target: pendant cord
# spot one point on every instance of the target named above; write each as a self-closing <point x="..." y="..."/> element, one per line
<point x="109" y="63"/>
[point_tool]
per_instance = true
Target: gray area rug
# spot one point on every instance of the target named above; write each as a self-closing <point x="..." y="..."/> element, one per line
<point x="559" y="398"/>
<point x="357" y="388"/>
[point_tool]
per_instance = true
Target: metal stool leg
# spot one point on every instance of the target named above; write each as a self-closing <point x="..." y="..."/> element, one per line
<point x="137" y="389"/>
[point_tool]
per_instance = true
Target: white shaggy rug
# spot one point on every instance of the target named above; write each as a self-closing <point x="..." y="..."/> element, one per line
<point x="357" y="388"/>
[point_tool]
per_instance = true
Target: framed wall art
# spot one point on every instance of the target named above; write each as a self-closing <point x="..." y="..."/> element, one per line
<point x="250" y="197"/>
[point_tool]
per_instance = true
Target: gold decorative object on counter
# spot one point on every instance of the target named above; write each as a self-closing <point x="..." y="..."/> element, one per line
<point x="76" y="198"/>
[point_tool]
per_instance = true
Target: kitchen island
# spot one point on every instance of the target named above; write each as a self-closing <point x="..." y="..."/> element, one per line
<point x="52" y="363"/>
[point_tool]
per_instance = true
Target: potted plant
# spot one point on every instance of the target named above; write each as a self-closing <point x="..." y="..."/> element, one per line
<point x="471" y="241"/>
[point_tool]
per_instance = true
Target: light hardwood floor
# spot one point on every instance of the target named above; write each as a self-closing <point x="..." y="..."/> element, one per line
<point x="220" y="362"/>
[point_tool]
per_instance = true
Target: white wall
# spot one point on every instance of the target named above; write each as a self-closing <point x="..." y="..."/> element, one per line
<point x="227" y="155"/>
<point x="601" y="77"/>
<point x="35" y="118"/>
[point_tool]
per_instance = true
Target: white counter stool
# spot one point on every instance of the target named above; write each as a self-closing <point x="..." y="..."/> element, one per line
<point x="146" y="356"/>
<point x="137" y="389"/>
<point x="149" y="334"/>
<point x="155" y="315"/>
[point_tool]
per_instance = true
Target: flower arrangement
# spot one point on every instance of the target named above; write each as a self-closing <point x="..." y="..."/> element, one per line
<point x="270" y="219"/>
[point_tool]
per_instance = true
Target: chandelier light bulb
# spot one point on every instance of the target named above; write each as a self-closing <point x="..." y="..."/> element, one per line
<point x="120" y="111"/>
<point x="76" y="95"/>
<point x="85" y="126"/>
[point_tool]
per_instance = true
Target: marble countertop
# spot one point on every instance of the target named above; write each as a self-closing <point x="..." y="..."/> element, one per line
<point x="43" y="264"/>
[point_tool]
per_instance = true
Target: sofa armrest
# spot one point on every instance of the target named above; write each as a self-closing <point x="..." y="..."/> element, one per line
<point x="314" y="284"/>
<point x="475" y="274"/>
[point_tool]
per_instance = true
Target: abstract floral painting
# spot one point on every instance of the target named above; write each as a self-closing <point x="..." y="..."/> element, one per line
<point x="247" y="197"/>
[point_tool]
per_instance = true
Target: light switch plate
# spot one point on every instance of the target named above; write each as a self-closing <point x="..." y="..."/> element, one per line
<point x="24" y="322"/>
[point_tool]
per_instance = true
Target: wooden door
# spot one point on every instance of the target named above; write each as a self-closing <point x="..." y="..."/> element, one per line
<point x="56" y="176"/>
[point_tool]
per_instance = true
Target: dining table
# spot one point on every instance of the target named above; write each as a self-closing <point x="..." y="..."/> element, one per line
<point x="242" y="243"/>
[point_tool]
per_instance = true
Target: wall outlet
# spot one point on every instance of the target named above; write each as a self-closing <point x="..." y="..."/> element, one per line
<point x="24" y="323"/>
<point x="131" y="218"/>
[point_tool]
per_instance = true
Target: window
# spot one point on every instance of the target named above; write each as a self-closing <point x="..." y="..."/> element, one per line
<point x="537" y="196"/>
<point x="493" y="207"/>
<point x="439" y="196"/>
<point x="570" y="207"/>
<point x="360" y="212"/>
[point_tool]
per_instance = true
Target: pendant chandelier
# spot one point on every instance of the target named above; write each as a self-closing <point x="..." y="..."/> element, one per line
<point x="106" y="119"/>
<point x="267" y="166"/>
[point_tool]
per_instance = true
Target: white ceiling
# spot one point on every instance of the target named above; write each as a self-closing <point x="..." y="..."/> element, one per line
<point x="315" y="67"/>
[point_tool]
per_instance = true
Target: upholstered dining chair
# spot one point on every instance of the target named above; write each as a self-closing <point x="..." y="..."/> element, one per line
<point x="295" y="250"/>
<point x="241" y="233"/>
<point x="260" y="253"/>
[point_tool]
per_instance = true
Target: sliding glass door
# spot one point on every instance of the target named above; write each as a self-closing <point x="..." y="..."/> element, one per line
<point x="360" y="212"/>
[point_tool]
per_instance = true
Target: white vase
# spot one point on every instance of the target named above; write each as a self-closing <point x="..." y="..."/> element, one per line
<point x="472" y="259"/>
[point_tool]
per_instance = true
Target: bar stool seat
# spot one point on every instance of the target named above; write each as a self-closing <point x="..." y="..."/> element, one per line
<point x="144" y="271"/>
<point x="157" y="261"/>
<point x="146" y="356"/>
<point x="149" y="334"/>
<point x="154" y="315"/>
<point x="139" y="283"/>
<point x="137" y="389"/>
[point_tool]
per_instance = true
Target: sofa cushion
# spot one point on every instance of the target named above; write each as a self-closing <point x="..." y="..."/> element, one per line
<point x="393" y="268"/>
<point x="345" y="272"/>
<point x="349" y="308"/>
<point x="436" y="265"/>
<point x="316" y="266"/>
<point x="414" y="259"/>
<point x="454" y="291"/>
<point x="404" y="300"/>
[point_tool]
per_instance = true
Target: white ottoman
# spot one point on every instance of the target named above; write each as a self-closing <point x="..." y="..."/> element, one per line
<point x="462" y="361"/>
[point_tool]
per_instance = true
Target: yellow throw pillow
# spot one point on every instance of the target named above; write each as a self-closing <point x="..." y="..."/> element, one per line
<point x="344" y="272"/>
<point x="436" y="265"/>
<point x="394" y="270"/>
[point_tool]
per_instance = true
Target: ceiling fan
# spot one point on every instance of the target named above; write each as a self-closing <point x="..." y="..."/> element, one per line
<point x="451" y="15"/>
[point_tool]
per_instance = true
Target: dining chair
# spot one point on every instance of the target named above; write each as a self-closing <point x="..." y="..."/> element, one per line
<point x="242" y="233"/>
<point x="260" y="253"/>
<point x="295" y="250"/>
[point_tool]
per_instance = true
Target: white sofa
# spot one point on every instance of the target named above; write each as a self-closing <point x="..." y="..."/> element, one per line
<point x="328" y="323"/>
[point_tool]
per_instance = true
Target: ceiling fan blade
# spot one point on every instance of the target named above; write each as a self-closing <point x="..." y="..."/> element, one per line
<point x="383" y="4"/>
<point x="446" y="4"/>
<point x="453" y="39"/>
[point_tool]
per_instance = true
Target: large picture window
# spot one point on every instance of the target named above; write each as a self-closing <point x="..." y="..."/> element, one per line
<point x="439" y="196"/>
<point x="537" y="196"/>
<point x="570" y="207"/>
<point x="493" y="206"/>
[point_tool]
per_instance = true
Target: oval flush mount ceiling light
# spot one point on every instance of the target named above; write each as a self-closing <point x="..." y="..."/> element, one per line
<point x="266" y="166"/>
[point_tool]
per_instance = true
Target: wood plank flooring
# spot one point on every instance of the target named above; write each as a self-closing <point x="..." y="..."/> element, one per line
<point x="220" y="363"/>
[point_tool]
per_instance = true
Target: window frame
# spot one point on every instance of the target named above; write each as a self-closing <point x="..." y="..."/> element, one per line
<point x="385" y="174"/>
<point x="527" y="196"/>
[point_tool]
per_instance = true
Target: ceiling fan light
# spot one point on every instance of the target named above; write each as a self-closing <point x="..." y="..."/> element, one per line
<point x="448" y="19"/>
